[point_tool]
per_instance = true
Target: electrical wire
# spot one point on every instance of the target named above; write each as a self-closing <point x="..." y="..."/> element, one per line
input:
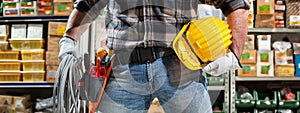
<point x="65" y="91"/>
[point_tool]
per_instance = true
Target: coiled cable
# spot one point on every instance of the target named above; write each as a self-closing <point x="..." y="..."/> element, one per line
<point x="65" y="91"/>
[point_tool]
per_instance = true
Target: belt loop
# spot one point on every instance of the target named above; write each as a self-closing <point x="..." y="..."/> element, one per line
<point x="153" y="52"/>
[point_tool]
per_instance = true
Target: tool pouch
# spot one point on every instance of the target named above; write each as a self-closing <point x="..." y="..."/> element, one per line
<point x="89" y="86"/>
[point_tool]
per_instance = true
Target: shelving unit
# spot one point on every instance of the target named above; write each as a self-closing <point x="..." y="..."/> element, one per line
<point x="33" y="18"/>
<point x="26" y="84"/>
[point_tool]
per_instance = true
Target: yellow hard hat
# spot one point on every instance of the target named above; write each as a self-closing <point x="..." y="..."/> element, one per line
<point x="205" y="39"/>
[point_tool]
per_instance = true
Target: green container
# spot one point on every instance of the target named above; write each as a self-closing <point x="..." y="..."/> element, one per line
<point x="265" y="104"/>
<point x="215" y="81"/>
<point x="283" y="104"/>
<point x="220" y="105"/>
<point x="244" y="103"/>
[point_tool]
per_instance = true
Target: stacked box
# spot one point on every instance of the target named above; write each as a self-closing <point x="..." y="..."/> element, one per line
<point x="279" y="14"/>
<point x="292" y="14"/>
<point x="265" y="14"/>
<point x="11" y="9"/>
<point x="4" y="29"/>
<point x="35" y="31"/>
<point x="251" y="14"/>
<point x="63" y="7"/>
<point x="28" y="8"/>
<point x="55" y="32"/>
<point x="264" y="42"/>
<point x="45" y="7"/>
<point x="249" y="44"/>
<point x="265" y="66"/>
<point x="248" y="61"/>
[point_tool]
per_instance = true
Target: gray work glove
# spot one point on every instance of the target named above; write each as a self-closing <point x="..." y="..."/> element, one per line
<point x="67" y="46"/>
<point x="223" y="64"/>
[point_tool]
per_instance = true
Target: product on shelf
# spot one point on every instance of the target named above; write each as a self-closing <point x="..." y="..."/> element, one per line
<point x="51" y="58"/>
<point x="10" y="1"/>
<point x="35" y="31"/>
<point x="28" y="4"/>
<point x="63" y="8"/>
<point x="33" y="76"/>
<point x="10" y="65"/>
<point x="250" y="42"/>
<point x="279" y="14"/>
<point x="248" y="56"/>
<point x="25" y="44"/>
<point x="251" y="14"/>
<point x="10" y="76"/>
<point x="45" y="10"/>
<point x="3" y="45"/>
<point x="248" y="70"/>
<point x="297" y="64"/>
<point x="44" y="3"/>
<point x="283" y="53"/>
<point x="51" y="72"/>
<point x="287" y="70"/>
<point x="57" y="28"/>
<point x="265" y="21"/>
<point x="33" y="65"/>
<point x="33" y="54"/>
<point x="28" y="12"/>
<point x="3" y="32"/>
<point x="10" y="5"/>
<point x="11" y="12"/>
<point x="265" y="66"/>
<point x="292" y="14"/>
<point x="52" y="45"/>
<point x="9" y="55"/>
<point x="18" y="31"/>
<point x="264" y="42"/>
<point x="265" y="7"/>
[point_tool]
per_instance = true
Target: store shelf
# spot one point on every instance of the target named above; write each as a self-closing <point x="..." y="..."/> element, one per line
<point x="26" y="84"/>
<point x="272" y="30"/>
<point x="216" y="88"/>
<point x="33" y="18"/>
<point x="267" y="78"/>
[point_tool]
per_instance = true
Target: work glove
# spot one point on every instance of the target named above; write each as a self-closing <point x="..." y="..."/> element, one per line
<point x="223" y="64"/>
<point x="67" y="46"/>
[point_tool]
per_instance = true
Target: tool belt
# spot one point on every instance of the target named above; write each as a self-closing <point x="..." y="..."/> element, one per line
<point x="141" y="54"/>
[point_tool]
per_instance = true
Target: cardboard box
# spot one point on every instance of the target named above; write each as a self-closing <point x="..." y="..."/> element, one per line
<point x="51" y="72"/>
<point x="265" y="6"/>
<point x="44" y="3"/>
<point x="52" y="58"/>
<point x="21" y="102"/>
<point x="28" y="11"/>
<point x="265" y="57"/>
<point x="250" y="42"/>
<point x="283" y="58"/>
<point x="35" y="31"/>
<point x="28" y="4"/>
<point x="56" y="1"/>
<point x="297" y="64"/>
<point x="6" y="100"/>
<point x="292" y="14"/>
<point x="248" y="70"/>
<point x="264" y="42"/>
<point x="248" y="56"/>
<point x="265" y="21"/>
<point x="265" y="70"/>
<point x="53" y="43"/>
<point x="285" y="70"/>
<point x="45" y="10"/>
<point x="63" y="8"/>
<point x="11" y="12"/>
<point x="57" y="28"/>
<point x="18" y="31"/>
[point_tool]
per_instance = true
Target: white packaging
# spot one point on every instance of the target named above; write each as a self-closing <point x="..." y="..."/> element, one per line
<point x="265" y="65"/>
<point x="208" y="10"/>
<point x="264" y="42"/>
<point x="3" y="31"/>
<point x="35" y="31"/>
<point x="18" y="31"/>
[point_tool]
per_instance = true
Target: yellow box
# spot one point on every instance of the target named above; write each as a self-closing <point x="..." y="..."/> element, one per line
<point x="51" y="72"/>
<point x="10" y="76"/>
<point x="248" y="70"/>
<point x="10" y="66"/>
<point x="33" y="65"/>
<point x="30" y="76"/>
<point x="35" y="54"/>
<point x="248" y="56"/>
<point x="285" y="70"/>
<point x="56" y="28"/>
<point x="9" y="55"/>
<point x="3" y="45"/>
<point x="25" y="44"/>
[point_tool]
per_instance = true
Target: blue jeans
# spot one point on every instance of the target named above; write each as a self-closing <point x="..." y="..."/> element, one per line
<point x="132" y="87"/>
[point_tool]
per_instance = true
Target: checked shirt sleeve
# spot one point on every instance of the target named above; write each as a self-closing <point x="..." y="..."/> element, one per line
<point x="227" y="6"/>
<point x="91" y="7"/>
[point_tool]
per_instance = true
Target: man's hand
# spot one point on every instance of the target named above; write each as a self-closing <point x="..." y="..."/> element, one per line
<point x="67" y="46"/>
<point x="223" y="64"/>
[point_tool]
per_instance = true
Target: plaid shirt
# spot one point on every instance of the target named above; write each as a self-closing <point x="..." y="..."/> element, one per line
<point x="146" y="23"/>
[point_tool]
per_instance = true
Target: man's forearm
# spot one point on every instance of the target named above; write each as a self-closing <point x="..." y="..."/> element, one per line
<point x="238" y="22"/>
<point x="77" y="24"/>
